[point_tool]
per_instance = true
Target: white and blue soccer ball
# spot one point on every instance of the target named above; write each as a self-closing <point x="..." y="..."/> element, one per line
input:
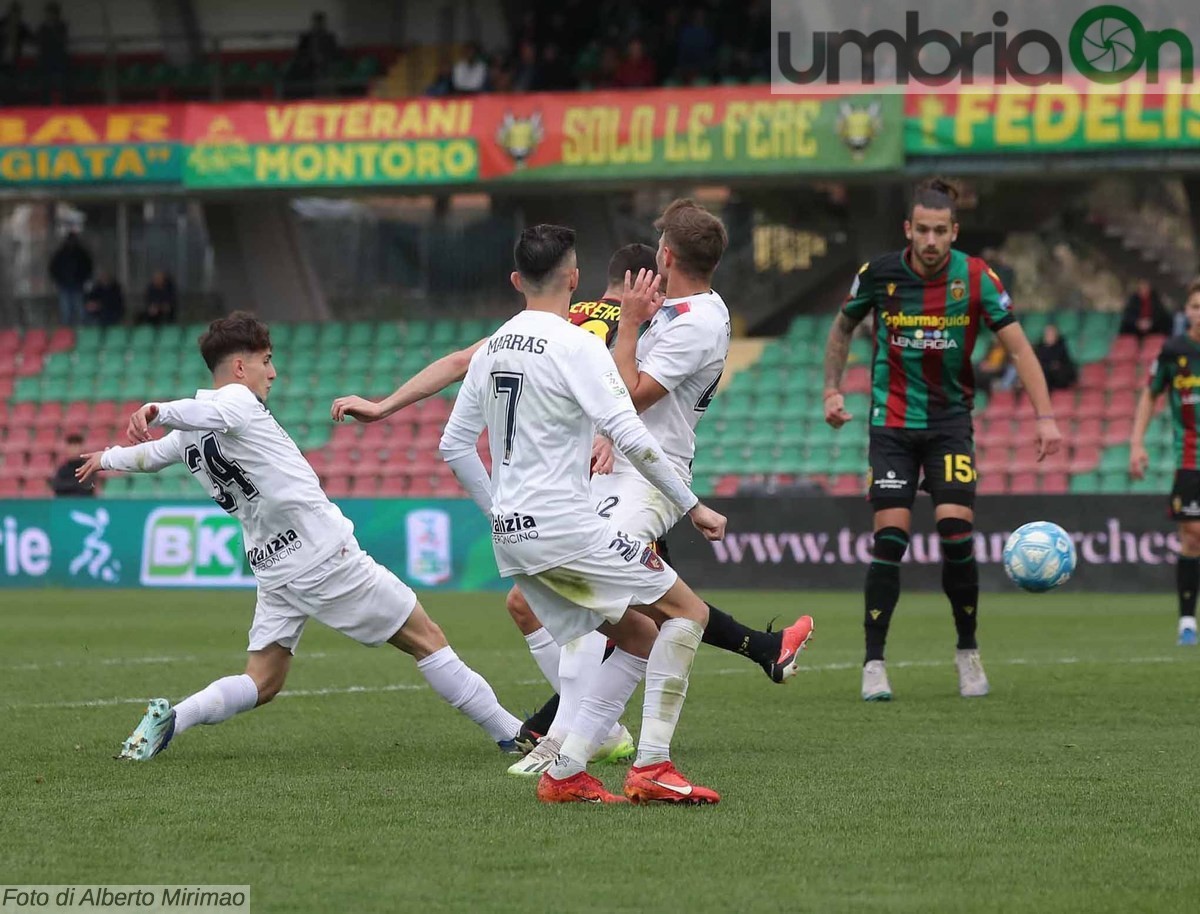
<point x="1039" y="556"/>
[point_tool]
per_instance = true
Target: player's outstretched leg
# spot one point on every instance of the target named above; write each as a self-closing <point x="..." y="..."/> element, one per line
<point x="266" y="671"/>
<point x="452" y="679"/>
<point x="1187" y="581"/>
<point x="777" y="653"/>
<point x="653" y="777"/>
<point x="881" y="594"/>
<point x="960" y="582"/>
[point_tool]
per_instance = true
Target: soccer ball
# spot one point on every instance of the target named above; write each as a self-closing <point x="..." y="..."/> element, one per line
<point x="1039" y="556"/>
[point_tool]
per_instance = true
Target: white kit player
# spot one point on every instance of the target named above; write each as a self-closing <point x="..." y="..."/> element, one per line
<point x="540" y="386"/>
<point x="300" y="546"/>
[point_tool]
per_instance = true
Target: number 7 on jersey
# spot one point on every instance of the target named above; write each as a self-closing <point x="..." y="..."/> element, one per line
<point x="508" y="384"/>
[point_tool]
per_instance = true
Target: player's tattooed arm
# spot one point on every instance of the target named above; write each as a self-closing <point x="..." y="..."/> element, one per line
<point x="432" y="379"/>
<point x="837" y="352"/>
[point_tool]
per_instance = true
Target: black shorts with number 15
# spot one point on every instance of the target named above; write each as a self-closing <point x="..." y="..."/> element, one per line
<point x="940" y="461"/>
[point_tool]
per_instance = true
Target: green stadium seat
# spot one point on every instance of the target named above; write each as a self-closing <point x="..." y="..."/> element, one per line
<point x="443" y="332"/>
<point x="1085" y="483"/>
<point x="87" y="339"/>
<point x="416" y="333"/>
<point x="361" y="335"/>
<point x="57" y="365"/>
<point x="143" y="339"/>
<point x="1114" y="483"/>
<point x="304" y="336"/>
<point x="1114" y="459"/>
<point x="332" y="335"/>
<point x="387" y="333"/>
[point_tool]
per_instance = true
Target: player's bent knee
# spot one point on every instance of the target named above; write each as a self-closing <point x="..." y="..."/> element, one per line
<point x="269" y="669"/>
<point x="681" y="602"/>
<point x="521" y="613"/>
<point x="633" y="633"/>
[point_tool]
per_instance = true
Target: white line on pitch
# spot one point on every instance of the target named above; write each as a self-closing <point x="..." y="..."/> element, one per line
<point x="117" y="661"/>
<point x="413" y="687"/>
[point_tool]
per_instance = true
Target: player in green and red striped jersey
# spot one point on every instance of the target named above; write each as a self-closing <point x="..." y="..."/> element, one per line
<point x="1176" y="372"/>
<point x="929" y="302"/>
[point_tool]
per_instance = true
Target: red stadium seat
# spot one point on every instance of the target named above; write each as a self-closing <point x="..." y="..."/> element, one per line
<point x="10" y="342"/>
<point x="1094" y="376"/>
<point x="1002" y="405"/>
<point x="61" y="340"/>
<point x="991" y="483"/>
<point x="364" y="487"/>
<point x="1091" y="403"/>
<point x="1122" y="400"/>
<point x="336" y="486"/>
<point x="726" y="486"/>
<point x="1084" y="457"/>
<point x="1055" y="483"/>
<point x="394" y="487"/>
<point x="11" y="488"/>
<point x="1087" y="432"/>
<point x="23" y="415"/>
<point x="1063" y="403"/>
<point x="1125" y="376"/>
<point x="35" y="341"/>
<point x="1023" y="484"/>
<point x="848" y="484"/>
<point x="1124" y="347"/>
<point x="858" y="380"/>
<point x="419" y="487"/>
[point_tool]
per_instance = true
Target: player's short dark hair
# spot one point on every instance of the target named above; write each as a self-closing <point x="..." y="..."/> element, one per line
<point x="241" y="331"/>
<point x="540" y="250"/>
<point x="1192" y="289"/>
<point x="935" y="193"/>
<point x="631" y="258"/>
<point x="696" y="237"/>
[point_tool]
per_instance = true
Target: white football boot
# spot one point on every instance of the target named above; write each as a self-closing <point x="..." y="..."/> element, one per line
<point x="875" y="685"/>
<point x="972" y="681"/>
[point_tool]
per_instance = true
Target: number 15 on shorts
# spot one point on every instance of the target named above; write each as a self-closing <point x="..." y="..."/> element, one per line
<point x="959" y="468"/>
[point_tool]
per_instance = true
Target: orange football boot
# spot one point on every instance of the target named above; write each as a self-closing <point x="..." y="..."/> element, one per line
<point x="795" y="638"/>
<point x="578" y="788"/>
<point x="661" y="783"/>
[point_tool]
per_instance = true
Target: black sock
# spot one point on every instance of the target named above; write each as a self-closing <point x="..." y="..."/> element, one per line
<point x="729" y="634"/>
<point x="1187" y="580"/>
<point x="543" y="717"/>
<point x="882" y="591"/>
<point x="960" y="578"/>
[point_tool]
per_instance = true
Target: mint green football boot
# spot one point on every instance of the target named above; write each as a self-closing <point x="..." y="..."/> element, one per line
<point x="153" y="734"/>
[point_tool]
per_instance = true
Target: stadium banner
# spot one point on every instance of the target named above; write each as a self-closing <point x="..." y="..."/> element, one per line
<point x="1124" y="543"/>
<point x="500" y="139"/>
<point x="75" y="542"/>
<point x="1068" y="118"/>
<point x="91" y="145"/>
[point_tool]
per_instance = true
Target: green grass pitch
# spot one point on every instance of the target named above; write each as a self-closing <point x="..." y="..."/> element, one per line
<point x="1071" y="788"/>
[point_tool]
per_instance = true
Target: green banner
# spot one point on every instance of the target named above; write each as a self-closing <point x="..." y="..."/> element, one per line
<point x="430" y="544"/>
<point x="1052" y="119"/>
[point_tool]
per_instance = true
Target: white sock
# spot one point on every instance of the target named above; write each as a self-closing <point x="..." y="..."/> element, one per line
<point x="216" y="702"/>
<point x="667" y="672"/>
<point x="577" y="670"/>
<point x="599" y="709"/>
<point x="546" y="654"/>
<point x="466" y="690"/>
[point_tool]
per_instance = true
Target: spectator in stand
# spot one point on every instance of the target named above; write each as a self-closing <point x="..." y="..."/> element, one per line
<point x="470" y="72"/>
<point x="14" y="34"/>
<point x="555" y="72"/>
<point x="526" y="72"/>
<point x="697" y="50"/>
<point x="442" y="84"/>
<point x="605" y="74"/>
<point x="995" y="370"/>
<point x="104" y="305"/>
<point x="500" y="75"/>
<point x="162" y="301"/>
<point x="316" y="53"/>
<point x="63" y="483"/>
<point x="53" y="60"/>
<point x="1056" y="361"/>
<point x="1145" y="313"/>
<point x="71" y="270"/>
<point x="637" y="70"/>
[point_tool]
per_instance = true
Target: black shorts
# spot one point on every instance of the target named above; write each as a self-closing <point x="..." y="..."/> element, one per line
<point x="1185" y="496"/>
<point x="939" y="461"/>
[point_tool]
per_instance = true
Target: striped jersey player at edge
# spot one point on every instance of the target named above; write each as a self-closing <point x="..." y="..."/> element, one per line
<point x="299" y="544"/>
<point x="541" y="386"/>
<point x="1176" y="373"/>
<point x="929" y="302"/>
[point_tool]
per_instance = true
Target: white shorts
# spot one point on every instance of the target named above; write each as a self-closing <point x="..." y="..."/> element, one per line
<point x="349" y="592"/>
<point x="631" y="503"/>
<point x="578" y="597"/>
